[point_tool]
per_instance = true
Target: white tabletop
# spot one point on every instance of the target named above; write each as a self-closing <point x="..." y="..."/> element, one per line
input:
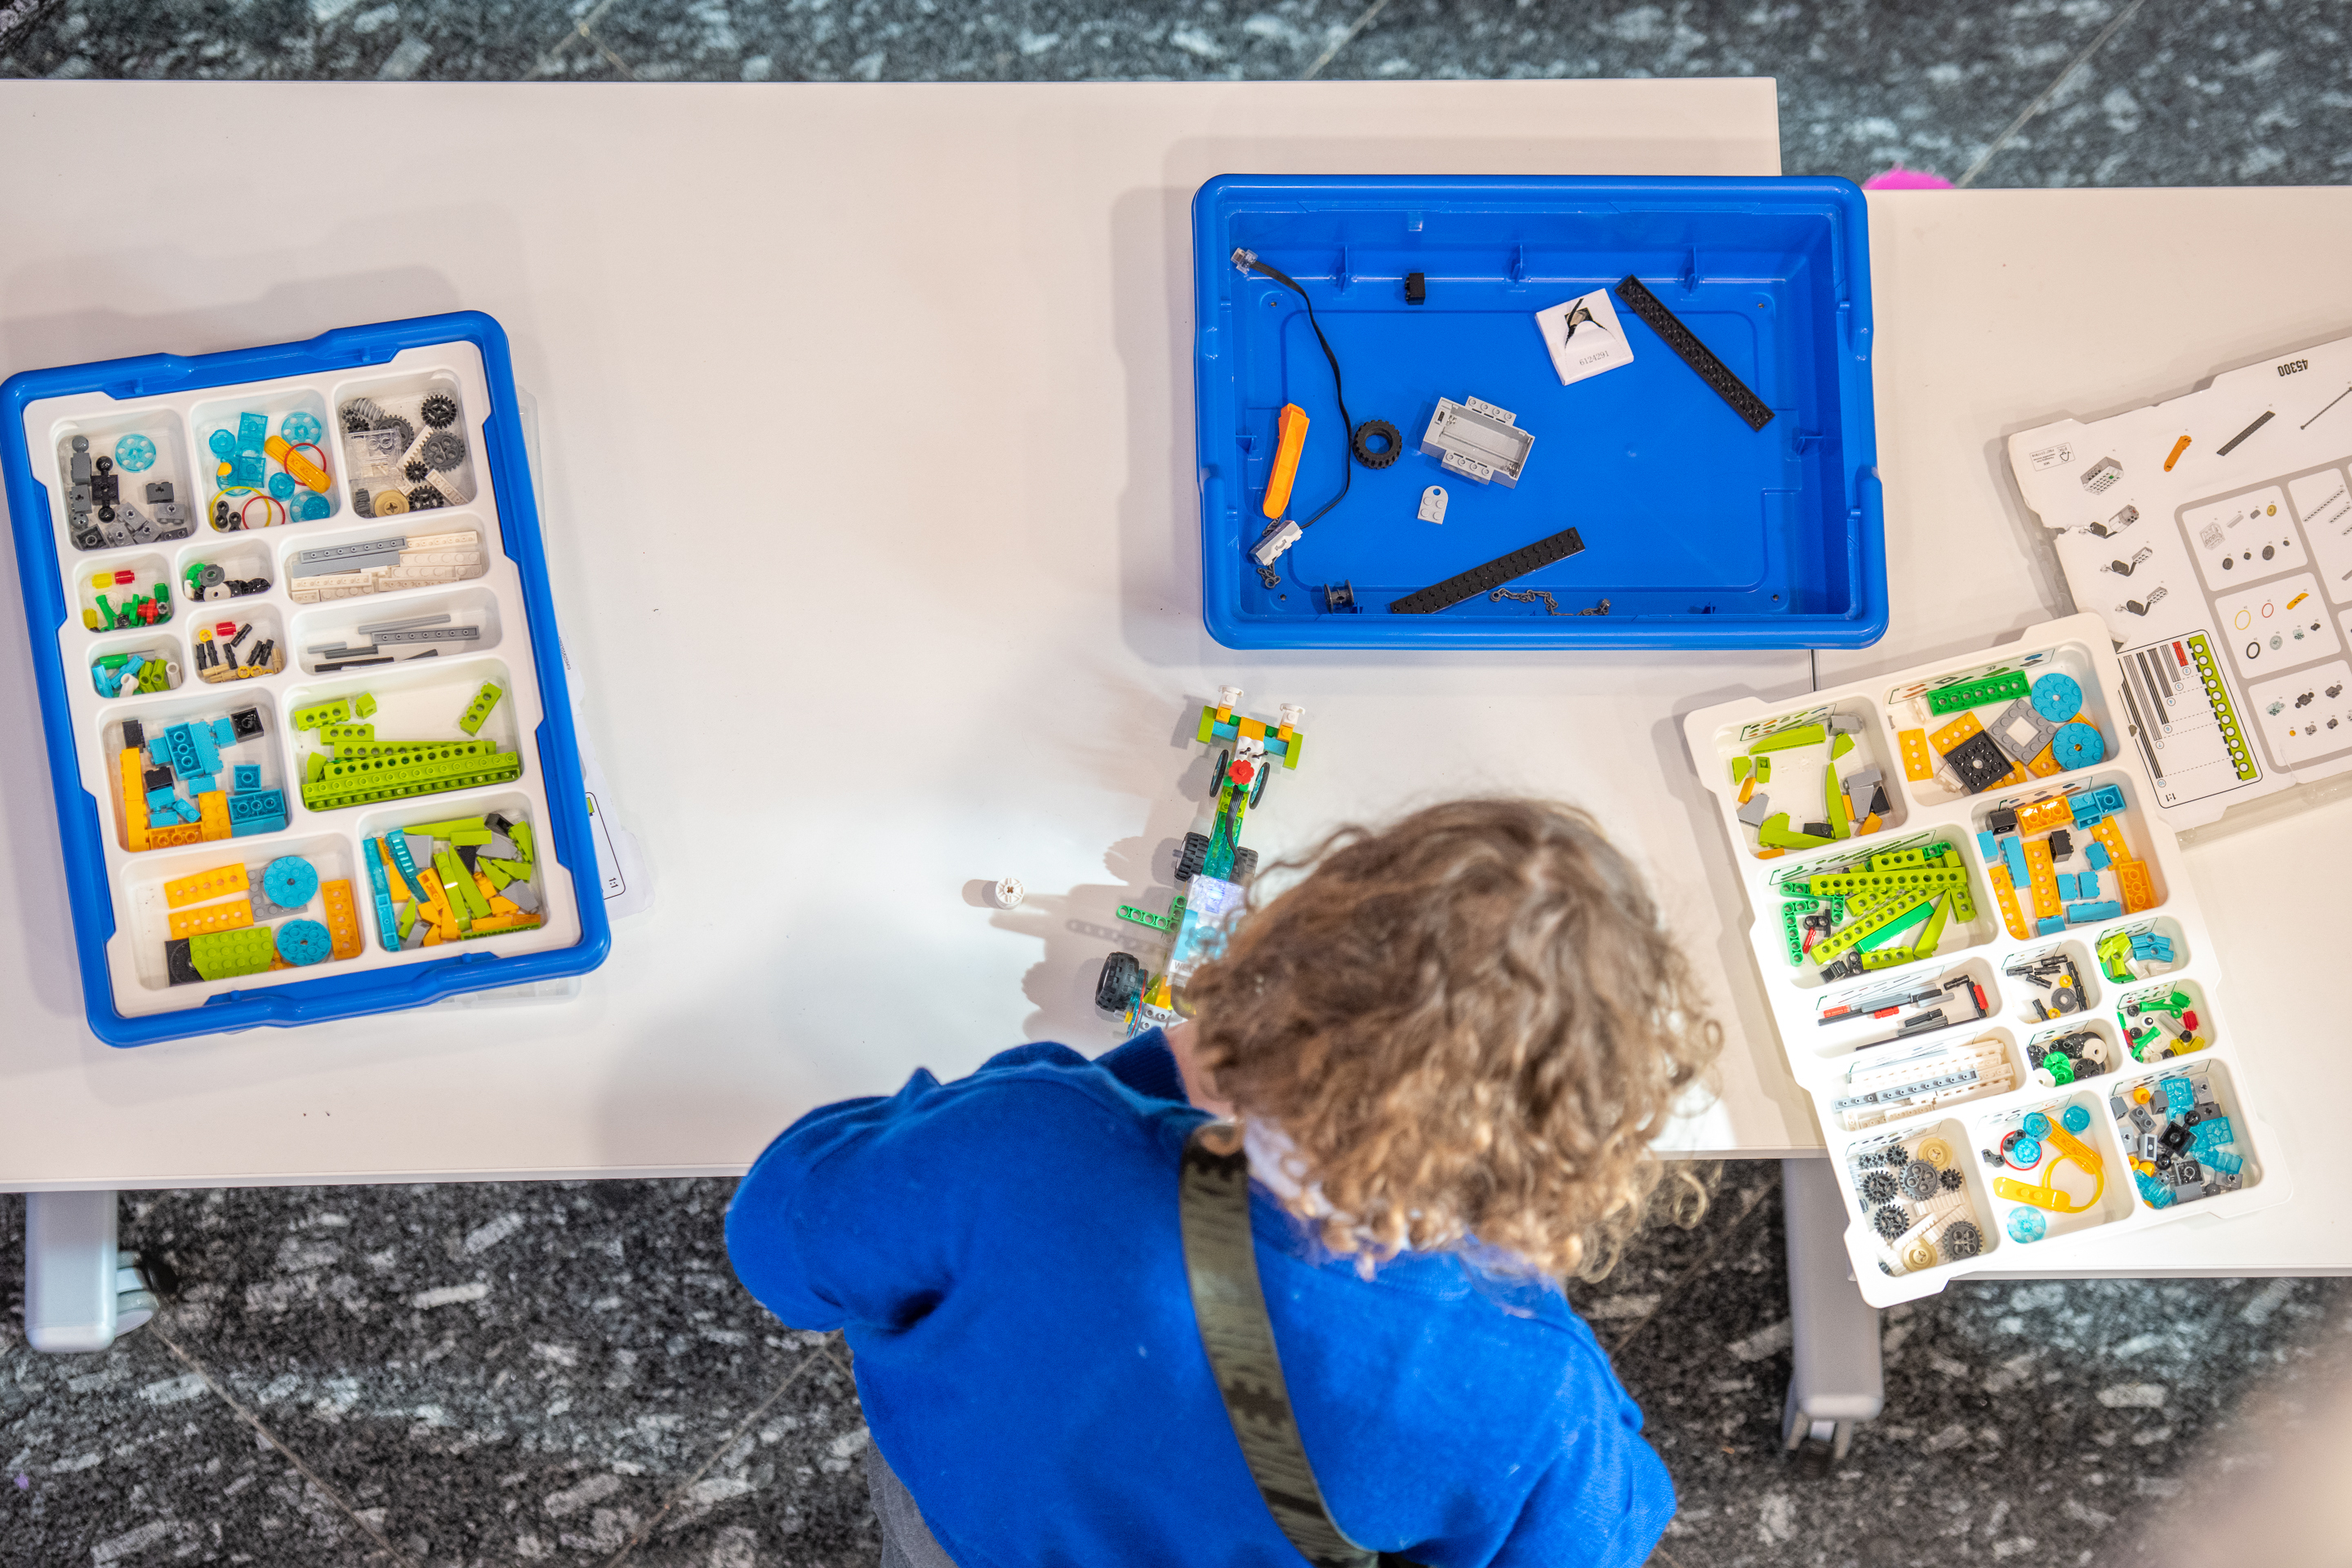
<point x="1998" y="310"/>
<point x="867" y="469"/>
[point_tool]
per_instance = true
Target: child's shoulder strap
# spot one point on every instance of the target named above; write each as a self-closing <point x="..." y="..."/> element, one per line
<point x="1219" y="1258"/>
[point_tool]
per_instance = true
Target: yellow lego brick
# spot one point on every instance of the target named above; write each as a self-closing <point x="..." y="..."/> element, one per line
<point x="342" y="920"/>
<point x="205" y="887"/>
<point x="1953" y="733"/>
<point x="2110" y="833"/>
<point x="2006" y="897"/>
<point x="1747" y="788"/>
<point x="1918" y="764"/>
<point x="212" y="816"/>
<point x="2046" y="766"/>
<point x="2044" y="815"/>
<point x="434" y="909"/>
<point x="174" y="837"/>
<point x="1255" y="729"/>
<point x="2044" y="876"/>
<point x="2139" y="888"/>
<point x="212" y="918"/>
<point x="1869" y="825"/>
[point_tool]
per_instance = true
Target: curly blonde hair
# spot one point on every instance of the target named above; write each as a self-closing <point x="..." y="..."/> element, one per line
<point x="1468" y="1025"/>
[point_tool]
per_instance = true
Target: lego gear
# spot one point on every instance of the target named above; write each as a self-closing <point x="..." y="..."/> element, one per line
<point x="413" y="471"/>
<point x="1961" y="1239"/>
<point x="443" y="450"/>
<point x="1376" y="443"/>
<point x="360" y="416"/>
<point x="1889" y="1222"/>
<point x="394" y="422"/>
<point x="1877" y="1188"/>
<point x="1918" y="1180"/>
<point x="1951" y="1180"/>
<point x="425" y="498"/>
<point x="438" y="410"/>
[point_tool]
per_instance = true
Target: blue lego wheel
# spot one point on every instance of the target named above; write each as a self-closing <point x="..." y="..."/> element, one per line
<point x="2057" y="697"/>
<point x="304" y="942"/>
<point x="2036" y="1125"/>
<point x="311" y="508"/>
<point x="2027" y="1225"/>
<point x="290" y="882"/>
<point x="222" y="443"/>
<point x="134" y="453"/>
<point x="282" y="486"/>
<point x="2025" y="1154"/>
<point x="2076" y="1119"/>
<point x="2077" y="746"/>
<point x="300" y="426"/>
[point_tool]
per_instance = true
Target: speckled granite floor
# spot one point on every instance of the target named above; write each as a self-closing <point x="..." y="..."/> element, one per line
<point x="496" y="1374"/>
<point x="469" y="1376"/>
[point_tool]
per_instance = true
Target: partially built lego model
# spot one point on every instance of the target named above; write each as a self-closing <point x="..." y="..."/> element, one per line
<point x="1212" y="868"/>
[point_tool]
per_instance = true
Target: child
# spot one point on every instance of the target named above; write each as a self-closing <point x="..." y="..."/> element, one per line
<point x="1448" y="1043"/>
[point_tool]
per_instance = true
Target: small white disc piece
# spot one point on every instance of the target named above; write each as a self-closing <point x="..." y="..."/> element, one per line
<point x="1432" y="504"/>
<point x="1007" y="892"/>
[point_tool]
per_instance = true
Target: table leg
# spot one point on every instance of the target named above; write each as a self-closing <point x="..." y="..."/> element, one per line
<point x="1836" y="1381"/>
<point x="81" y="1292"/>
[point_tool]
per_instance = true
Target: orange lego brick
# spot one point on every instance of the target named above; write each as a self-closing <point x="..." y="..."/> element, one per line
<point x="2006" y="897"/>
<point x="2044" y="815"/>
<point x="2044" y="876"/>
<point x="212" y="816"/>
<point x="2110" y="833"/>
<point x="1917" y="766"/>
<point x="516" y="921"/>
<point x="1747" y="788"/>
<point x="212" y="918"/>
<point x="174" y="837"/>
<point x="342" y="920"/>
<point x="134" y="801"/>
<point x="205" y="887"/>
<point x="2139" y="888"/>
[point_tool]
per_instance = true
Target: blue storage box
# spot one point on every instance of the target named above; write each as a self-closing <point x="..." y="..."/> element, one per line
<point x="339" y="775"/>
<point x="1699" y="530"/>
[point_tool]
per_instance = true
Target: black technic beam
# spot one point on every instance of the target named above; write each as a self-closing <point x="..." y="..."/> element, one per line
<point x="1493" y="574"/>
<point x="1695" y="354"/>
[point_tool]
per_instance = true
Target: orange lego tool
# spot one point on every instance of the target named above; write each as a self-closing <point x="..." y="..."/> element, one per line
<point x="1292" y="431"/>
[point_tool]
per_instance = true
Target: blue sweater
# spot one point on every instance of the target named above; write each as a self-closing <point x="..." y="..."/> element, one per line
<point x="1004" y="1253"/>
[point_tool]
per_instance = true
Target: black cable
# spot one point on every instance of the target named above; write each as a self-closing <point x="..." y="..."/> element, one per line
<point x="1348" y="425"/>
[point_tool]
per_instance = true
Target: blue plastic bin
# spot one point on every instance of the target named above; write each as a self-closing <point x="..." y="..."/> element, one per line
<point x="47" y="568"/>
<point x="1699" y="531"/>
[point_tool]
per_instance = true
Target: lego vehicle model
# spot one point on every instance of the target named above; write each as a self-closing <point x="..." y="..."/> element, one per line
<point x="1210" y="868"/>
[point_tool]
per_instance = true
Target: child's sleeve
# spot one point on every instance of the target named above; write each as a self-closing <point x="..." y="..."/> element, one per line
<point x="1602" y="1503"/>
<point x="854" y="1213"/>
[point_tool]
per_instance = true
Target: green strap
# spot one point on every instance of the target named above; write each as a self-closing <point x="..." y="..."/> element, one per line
<point x="1222" y="1264"/>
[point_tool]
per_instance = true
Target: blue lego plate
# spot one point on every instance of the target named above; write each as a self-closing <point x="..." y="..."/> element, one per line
<point x="374" y="981"/>
<point x="1699" y="530"/>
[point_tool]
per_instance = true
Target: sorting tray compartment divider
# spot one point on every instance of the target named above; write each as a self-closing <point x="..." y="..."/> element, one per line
<point x="116" y="903"/>
<point x="2079" y="646"/>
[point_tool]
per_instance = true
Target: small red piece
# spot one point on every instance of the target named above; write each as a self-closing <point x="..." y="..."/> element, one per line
<point x="1243" y="771"/>
<point x="224" y="628"/>
<point x="2188" y="1019"/>
<point x="125" y="575"/>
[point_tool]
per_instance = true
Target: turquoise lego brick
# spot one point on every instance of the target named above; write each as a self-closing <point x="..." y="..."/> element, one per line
<point x="2081" y="913"/>
<point x="2051" y="925"/>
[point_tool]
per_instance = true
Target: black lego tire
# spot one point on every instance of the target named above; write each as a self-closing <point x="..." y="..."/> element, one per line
<point x="1119" y="983"/>
<point x="1244" y="865"/>
<point x="1191" y="856"/>
<point x="1380" y="429"/>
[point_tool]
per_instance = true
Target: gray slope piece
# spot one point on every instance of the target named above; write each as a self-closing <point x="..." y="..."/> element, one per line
<point x="1759" y="807"/>
<point x="415" y="937"/>
<point x="1478" y="441"/>
<point x="1845" y="724"/>
<point x="420" y="848"/>
<point x="500" y="848"/>
<point x="518" y="893"/>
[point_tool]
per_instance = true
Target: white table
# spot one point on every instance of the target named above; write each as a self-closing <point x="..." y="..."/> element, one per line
<point x="979" y="601"/>
<point x="888" y="387"/>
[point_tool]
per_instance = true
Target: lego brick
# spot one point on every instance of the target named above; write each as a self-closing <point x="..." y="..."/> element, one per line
<point x="256" y="811"/>
<point x="449" y="827"/>
<point x="1958" y="732"/>
<point x="175" y="836"/>
<point x="1834" y="806"/>
<point x="1840" y="941"/>
<point x="1789" y="739"/>
<point x="2004" y="895"/>
<point x="1921" y="877"/>
<point x="342" y="920"/>
<point x="1976" y="694"/>
<point x="411" y="751"/>
<point x="521" y="895"/>
<point x="405" y="860"/>
<point x="337" y="734"/>
<point x="2085" y="912"/>
<point x="223" y="956"/>
<point x="520" y="834"/>
<point x="1774" y="833"/>
<point x="320" y="714"/>
<point x="212" y="918"/>
<point x="487" y="699"/>
<point x="2138" y="886"/>
<point x="2110" y="833"/>
<point x="2044" y="815"/>
<point x="2051" y="925"/>
<point x="1755" y="810"/>
<point x="361" y="781"/>
<point x="245" y="776"/>
<point x="2095" y="856"/>
<point x="1687" y="347"/>
<point x="131" y="762"/>
<point x="203" y="887"/>
<point x="2042" y="878"/>
<point x="2012" y="853"/>
<point x="2091" y="804"/>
